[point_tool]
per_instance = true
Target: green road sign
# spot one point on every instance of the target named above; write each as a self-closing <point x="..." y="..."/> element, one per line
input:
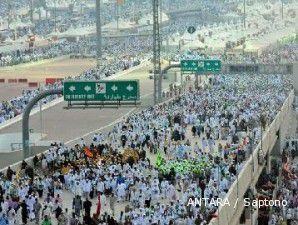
<point x="123" y="90"/>
<point x="212" y="65"/>
<point x="201" y="66"/>
<point x="189" y="65"/>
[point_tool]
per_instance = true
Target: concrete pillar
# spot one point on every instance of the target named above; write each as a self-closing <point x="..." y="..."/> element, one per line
<point x="289" y="125"/>
<point x="268" y="166"/>
<point x="276" y="149"/>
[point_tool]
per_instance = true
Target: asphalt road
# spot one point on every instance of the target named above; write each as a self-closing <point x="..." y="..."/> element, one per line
<point x="69" y="125"/>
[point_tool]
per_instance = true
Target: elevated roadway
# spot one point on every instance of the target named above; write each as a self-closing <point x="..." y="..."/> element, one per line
<point x="70" y="125"/>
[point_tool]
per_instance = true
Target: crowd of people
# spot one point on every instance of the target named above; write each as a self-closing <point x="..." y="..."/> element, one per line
<point x="122" y="47"/>
<point x="281" y="54"/>
<point x="274" y="54"/>
<point x="117" y="48"/>
<point x="110" y="186"/>
<point x="287" y="188"/>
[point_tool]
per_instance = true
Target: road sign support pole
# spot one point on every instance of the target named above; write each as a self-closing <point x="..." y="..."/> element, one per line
<point x="40" y="113"/>
<point x="282" y="9"/>
<point x="98" y="34"/>
<point x="26" y="115"/>
<point x="244" y="13"/>
<point x="156" y="54"/>
<point x="181" y="79"/>
<point x="55" y="15"/>
<point x="197" y="81"/>
<point x="117" y="15"/>
<point x="31" y="11"/>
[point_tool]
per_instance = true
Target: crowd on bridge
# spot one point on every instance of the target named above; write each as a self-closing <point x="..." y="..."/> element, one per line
<point x="126" y="176"/>
<point x="287" y="187"/>
<point x="276" y="54"/>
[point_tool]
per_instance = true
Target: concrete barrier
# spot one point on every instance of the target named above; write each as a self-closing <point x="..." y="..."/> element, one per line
<point x="12" y="80"/>
<point x="32" y="84"/>
<point x="22" y="80"/>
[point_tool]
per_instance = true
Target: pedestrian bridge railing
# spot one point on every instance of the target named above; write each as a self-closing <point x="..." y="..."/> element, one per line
<point x="229" y="214"/>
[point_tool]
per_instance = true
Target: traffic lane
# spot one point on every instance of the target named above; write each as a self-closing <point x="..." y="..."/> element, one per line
<point x="64" y="125"/>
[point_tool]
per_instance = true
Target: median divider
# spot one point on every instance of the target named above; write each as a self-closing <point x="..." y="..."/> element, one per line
<point x="12" y="80"/>
<point x="32" y="84"/>
<point x="22" y="80"/>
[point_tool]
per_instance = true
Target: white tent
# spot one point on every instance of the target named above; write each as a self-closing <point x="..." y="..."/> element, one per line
<point x="22" y="11"/>
<point x="60" y="4"/>
<point x="9" y="40"/>
<point x="40" y="12"/>
<point x="123" y="25"/>
<point x="3" y="25"/>
<point x="76" y="32"/>
<point x="22" y="39"/>
<point x="55" y="34"/>
<point x="148" y="19"/>
<point x="189" y="37"/>
<point x="172" y="40"/>
<point x="19" y="24"/>
<point x="194" y="45"/>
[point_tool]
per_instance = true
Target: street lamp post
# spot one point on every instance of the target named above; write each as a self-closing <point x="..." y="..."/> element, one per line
<point x="244" y="13"/>
<point x="98" y="34"/>
<point x="282" y="9"/>
<point x="55" y="15"/>
<point x="160" y="22"/>
<point x="31" y="11"/>
<point x="117" y="15"/>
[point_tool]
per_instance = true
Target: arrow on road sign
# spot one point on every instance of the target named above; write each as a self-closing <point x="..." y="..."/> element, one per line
<point x="185" y="64"/>
<point x="87" y="88"/>
<point x="114" y="88"/>
<point x="129" y="88"/>
<point x="72" y="88"/>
